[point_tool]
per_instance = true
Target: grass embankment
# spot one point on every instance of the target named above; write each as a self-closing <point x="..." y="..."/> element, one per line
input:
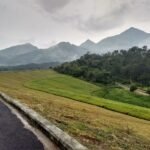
<point x="82" y="91"/>
<point x="93" y="126"/>
<point x="118" y="94"/>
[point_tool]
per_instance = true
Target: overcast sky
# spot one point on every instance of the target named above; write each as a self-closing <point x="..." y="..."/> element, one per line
<point x="47" y="22"/>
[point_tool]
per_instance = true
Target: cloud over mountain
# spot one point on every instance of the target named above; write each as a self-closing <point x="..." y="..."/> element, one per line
<point x="42" y="21"/>
<point x="64" y="51"/>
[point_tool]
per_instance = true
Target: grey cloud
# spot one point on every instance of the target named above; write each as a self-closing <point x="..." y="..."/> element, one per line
<point x="53" y="5"/>
<point x="94" y="21"/>
<point x="43" y="21"/>
<point x="117" y="13"/>
<point x="110" y="20"/>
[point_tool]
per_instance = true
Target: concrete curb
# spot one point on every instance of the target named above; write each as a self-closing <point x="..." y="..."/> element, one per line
<point x="60" y="138"/>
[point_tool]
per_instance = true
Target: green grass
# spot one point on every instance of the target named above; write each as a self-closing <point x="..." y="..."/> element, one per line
<point x="121" y="95"/>
<point x="82" y="91"/>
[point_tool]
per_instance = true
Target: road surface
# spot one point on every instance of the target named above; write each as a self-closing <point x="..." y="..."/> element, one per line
<point x="14" y="135"/>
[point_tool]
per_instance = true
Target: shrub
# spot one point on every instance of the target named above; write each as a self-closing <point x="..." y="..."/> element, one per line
<point x="148" y="91"/>
<point x="133" y="88"/>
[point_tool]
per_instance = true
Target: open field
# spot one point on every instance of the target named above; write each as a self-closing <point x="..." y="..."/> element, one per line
<point x="79" y="90"/>
<point x="94" y="126"/>
<point x="121" y="95"/>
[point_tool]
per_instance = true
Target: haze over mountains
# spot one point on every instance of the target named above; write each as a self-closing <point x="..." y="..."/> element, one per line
<point x="64" y="51"/>
<point x="27" y="54"/>
<point x="125" y="40"/>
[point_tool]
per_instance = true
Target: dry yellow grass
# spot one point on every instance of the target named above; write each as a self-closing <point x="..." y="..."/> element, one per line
<point x="93" y="126"/>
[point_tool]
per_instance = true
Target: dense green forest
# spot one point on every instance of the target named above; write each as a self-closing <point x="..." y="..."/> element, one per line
<point x="125" y="66"/>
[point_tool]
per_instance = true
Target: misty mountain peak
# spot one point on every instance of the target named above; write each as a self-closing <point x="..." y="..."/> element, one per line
<point x="134" y="31"/>
<point x="88" y="44"/>
<point x="125" y="40"/>
<point x="63" y="43"/>
<point x="22" y="47"/>
<point x="18" y="50"/>
<point x="88" y="41"/>
<point x="28" y="44"/>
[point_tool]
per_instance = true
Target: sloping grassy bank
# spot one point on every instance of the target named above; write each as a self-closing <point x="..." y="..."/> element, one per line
<point x="82" y="91"/>
<point x="93" y="126"/>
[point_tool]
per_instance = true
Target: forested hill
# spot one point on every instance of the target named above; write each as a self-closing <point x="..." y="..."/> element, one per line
<point x="123" y="66"/>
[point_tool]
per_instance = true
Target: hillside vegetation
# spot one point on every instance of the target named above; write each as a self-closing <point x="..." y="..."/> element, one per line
<point x="121" y="66"/>
<point x="93" y="126"/>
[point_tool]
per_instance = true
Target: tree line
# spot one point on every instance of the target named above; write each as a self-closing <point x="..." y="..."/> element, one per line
<point x="124" y="66"/>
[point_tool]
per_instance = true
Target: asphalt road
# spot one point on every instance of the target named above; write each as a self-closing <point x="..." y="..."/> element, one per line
<point x="13" y="135"/>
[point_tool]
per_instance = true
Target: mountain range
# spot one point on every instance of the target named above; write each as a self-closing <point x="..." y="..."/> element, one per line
<point x="125" y="40"/>
<point x="28" y="54"/>
<point x="64" y="51"/>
